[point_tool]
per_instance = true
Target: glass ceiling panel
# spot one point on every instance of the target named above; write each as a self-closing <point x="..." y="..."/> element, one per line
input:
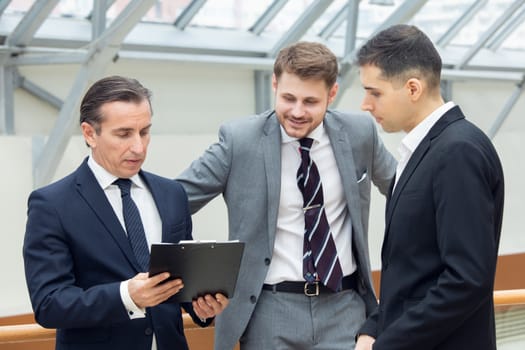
<point x="516" y="39"/>
<point x="230" y="14"/>
<point x="372" y="14"/>
<point x="287" y="16"/>
<point x="329" y="16"/>
<point x="481" y="22"/>
<point x="19" y="6"/>
<point x="436" y="16"/>
<point x="73" y="8"/>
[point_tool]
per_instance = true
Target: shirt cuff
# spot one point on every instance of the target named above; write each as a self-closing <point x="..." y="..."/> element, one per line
<point x="133" y="310"/>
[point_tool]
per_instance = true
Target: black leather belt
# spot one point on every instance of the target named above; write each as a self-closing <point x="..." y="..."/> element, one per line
<point x="311" y="289"/>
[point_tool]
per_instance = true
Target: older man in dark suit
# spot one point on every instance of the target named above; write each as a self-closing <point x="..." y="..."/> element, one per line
<point x="86" y="243"/>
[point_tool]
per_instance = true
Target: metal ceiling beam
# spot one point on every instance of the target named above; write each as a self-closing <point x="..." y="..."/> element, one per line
<point x="267" y="64"/>
<point x="465" y="18"/>
<point x="108" y="4"/>
<point x="100" y="54"/>
<point x="189" y="12"/>
<point x="333" y="24"/>
<point x="489" y="33"/>
<point x="7" y="109"/>
<point x="40" y="92"/>
<point x="262" y="88"/>
<point x="269" y="14"/>
<point x="486" y="75"/>
<point x="351" y="26"/>
<point x="3" y="5"/>
<point x="59" y="39"/>
<point x="507" y="108"/>
<point x="498" y="40"/>
<point x="34" y="57"/>
<point x="32" y="20"/>
<point x="98" y="17"/>
<point x="301" y="25"/>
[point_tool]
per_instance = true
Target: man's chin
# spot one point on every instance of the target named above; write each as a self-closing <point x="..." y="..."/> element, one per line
<point x="296" y="133"/>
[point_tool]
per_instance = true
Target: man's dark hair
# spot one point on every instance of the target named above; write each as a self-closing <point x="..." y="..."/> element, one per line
<point x="110" y="89"/>
<point x="402" y="52"/>
<point x="307" y="60"/>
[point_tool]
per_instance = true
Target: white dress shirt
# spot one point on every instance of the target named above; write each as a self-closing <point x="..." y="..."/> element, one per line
<point x="149" y="215"/>
<point x="287" y="260"/>
<point x="410" y="142"/>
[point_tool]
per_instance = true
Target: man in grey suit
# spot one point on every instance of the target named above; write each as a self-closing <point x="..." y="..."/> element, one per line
<point x="254" y="165"/>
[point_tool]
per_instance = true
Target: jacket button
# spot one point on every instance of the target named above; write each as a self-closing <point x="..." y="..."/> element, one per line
<point x="267" y="261"/>
<point x="148" y="331"/>
<point x="253" y="299"/>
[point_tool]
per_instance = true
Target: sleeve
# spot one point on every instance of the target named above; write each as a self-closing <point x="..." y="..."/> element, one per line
<point x="207" y="176"/>
<point x="383" y="163"/>
<point x="50" y="274"/>
<point x="370" y="325"/>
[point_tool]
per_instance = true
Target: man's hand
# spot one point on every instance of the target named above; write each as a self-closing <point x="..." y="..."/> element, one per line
<point x="364" y="342"/>
<point x="147" y="291"/>
<point x="209" y="306"/>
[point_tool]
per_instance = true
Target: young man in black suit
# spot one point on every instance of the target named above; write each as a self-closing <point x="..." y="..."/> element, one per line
<point x="444" y="209"/>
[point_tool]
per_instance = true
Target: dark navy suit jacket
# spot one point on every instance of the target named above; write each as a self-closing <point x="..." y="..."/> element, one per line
<point x="76" y="254"/>
<point x="443" y="224"/>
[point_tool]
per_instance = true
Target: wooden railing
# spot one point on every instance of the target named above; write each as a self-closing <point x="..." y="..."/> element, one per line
<point x="509" y="297"/>
<point x="14" y="336"/>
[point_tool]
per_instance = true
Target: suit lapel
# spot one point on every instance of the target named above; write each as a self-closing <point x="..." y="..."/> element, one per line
<point x="159" y="197"/>
<point x="344" y="158"/>
<point x="448" y="118"/>
<point x="93" y="194"/>
<point x="271" y="146"/>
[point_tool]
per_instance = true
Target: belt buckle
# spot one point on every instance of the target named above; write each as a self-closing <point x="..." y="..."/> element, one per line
<point x="310" y="293"/>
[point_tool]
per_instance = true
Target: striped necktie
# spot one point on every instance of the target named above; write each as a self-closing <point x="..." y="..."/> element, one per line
<point x="320" y="261"/>
<point x="134" y="227"/>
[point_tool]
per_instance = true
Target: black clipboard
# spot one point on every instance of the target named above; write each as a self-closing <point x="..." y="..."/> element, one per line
<point x="204" y="267"/>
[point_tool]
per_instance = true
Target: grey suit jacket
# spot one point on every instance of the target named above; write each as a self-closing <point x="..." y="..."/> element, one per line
<point x="245" y="167"/>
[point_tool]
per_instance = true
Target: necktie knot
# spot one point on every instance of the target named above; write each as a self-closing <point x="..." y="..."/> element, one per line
<point x="124" y="185"/>
<point x="306" y="144"/>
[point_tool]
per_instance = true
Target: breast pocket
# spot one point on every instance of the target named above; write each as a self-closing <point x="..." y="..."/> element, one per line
<point x="363" y="177"/>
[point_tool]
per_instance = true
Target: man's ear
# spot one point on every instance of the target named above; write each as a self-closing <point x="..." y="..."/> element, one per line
<point x="414" y="88"/>
<point x="89" y="132"/>
<point x="274" y="82"/>
<point x="333" y="92"/>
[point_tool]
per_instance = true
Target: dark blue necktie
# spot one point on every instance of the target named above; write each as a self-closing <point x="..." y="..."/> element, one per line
<point x="134" y="227"/>
<point x="320" y="261"/>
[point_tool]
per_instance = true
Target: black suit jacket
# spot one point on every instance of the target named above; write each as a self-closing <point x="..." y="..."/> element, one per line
<point x="76" y="253"/>
<point x="443" y="224"/>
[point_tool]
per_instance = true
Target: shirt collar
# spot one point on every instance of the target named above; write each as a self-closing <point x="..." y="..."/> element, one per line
<point x="316" y="134"/>
<point x="416" y="135"/>
<point x="105" y="178"/>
